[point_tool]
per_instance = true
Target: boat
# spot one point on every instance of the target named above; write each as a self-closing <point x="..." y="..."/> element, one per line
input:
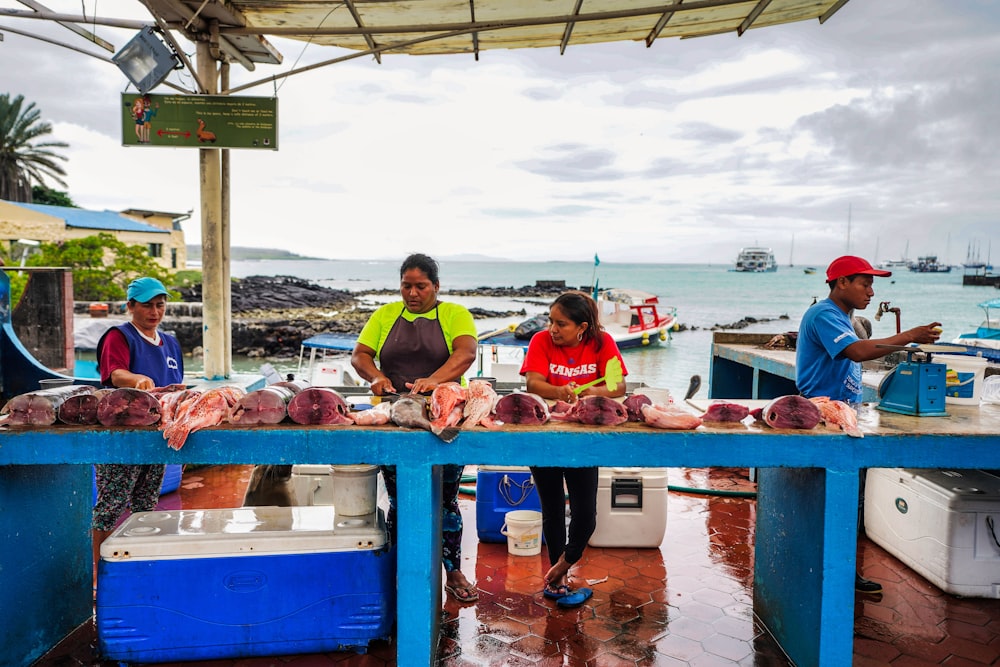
<point x="809" y="270"/>
<point x="634" y="319"/>
<point x="755" y="259"/>
<point x="329" y="361"/>
<point x="929" y="264"/>
<point x="985" y="340"/>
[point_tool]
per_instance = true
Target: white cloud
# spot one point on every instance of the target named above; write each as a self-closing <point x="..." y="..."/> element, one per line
<point x="677" y="153"/>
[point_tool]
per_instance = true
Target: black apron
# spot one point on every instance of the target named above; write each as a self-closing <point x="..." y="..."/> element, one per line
<point x="413" y="350"/>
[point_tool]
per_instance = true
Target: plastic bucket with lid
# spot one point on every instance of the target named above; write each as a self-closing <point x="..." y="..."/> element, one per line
<point x="963" y="379"/>
<point x="354" y="489"/>
<point x="523" y="529"/>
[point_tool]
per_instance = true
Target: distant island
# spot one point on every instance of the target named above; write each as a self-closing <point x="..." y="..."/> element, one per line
<point x="243" y="253"/>
<point x="240" y="253"/>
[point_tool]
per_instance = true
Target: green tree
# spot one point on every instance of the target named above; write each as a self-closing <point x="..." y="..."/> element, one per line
<point x="24" y="160"/>
<point x="43" y="195"/>
<point x="102" y="266"/>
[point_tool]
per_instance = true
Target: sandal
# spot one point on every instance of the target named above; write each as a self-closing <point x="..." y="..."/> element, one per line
<point x="463" y="593"/>
<point x="575" y="599"/>
<point x="557" y="593"/>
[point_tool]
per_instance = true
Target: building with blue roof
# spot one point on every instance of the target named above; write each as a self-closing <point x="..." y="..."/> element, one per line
<point x="23" y="226"/>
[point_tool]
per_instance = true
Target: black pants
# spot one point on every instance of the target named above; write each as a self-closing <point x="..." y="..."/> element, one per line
<point x="581" y="483"/>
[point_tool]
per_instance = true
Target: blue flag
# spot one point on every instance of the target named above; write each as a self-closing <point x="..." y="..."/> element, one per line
<point x="597" y="260"/>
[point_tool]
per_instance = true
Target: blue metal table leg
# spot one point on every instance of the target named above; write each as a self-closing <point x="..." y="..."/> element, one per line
<point x="804" y="563"/>
<point x="418" y="563"/>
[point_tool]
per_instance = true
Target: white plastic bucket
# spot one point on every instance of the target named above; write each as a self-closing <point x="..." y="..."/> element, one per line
<point x="964" y="379"/>
<point x="523" y="529"/>
<point x="354" y="489"/>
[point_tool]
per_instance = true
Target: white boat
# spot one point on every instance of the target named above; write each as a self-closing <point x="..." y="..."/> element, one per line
<point x="929" y="264"/>
<point x="755" y="259"/>
<point x="985" y="340"/>
<point x="635" y="318"/>
<point x="329" y="361"/>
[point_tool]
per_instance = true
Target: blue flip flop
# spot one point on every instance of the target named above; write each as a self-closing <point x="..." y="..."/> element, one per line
<point x="558" y="593"/>
<point x="576" y="598"/>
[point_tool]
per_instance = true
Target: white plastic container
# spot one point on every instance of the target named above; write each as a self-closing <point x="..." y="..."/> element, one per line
<point x="523" y="529"/>
<point x="355" y="489"/>
<point x="941" y="523"/>
<point x="631" y="507"/>
<point x="312" y="484"/>
<point x="964" y="378"/>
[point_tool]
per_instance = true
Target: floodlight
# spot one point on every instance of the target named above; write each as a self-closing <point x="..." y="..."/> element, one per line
<point x="145" y="60"/>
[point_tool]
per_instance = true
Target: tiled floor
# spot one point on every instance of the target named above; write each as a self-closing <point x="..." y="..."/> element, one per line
<point x="688" y="602"/>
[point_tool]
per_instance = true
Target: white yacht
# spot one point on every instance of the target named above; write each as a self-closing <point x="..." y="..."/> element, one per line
<point x="756" y="259"/>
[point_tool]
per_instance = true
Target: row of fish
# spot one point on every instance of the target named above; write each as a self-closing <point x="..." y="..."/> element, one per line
<point x="791" y="412"/>
<point x="451" y="407"/>
<point x="176" y="409"/>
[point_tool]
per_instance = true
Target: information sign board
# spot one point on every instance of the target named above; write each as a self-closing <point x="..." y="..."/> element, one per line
<point x="199" y="121"/>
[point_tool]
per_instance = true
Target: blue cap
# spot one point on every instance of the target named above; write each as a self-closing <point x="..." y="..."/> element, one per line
<point x="146" y="289"/>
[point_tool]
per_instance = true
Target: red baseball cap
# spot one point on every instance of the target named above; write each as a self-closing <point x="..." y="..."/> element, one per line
<point x="849" y="265"/>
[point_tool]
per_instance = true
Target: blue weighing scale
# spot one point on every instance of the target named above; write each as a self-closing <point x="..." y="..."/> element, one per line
<point x="916" y="386"/>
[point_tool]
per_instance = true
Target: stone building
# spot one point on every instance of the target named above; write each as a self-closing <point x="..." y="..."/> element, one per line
<point x="23" y="226"/>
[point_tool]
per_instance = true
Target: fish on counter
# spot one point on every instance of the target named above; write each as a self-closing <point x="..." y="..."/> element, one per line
<point x="127" y="406"/>
<point x="447" y="406"/>
<point x="374" y="416"/>
<point x="791" y="411"/>
<point x="40" y="407"/>
<point x="479" y="406"/>
<point x="725" y="412"/>
<point x="268" y="405"/>
<point x="319" y="406"/>
<point x="838" y="414"/>
<point x="213" y="407"/>
<point x="671" y="417"/>
<point x="593" y="410"/>
<point x="81" y="409"/>
<point x="410" y="411"/>
<point x="522" y="408"/>
<point x="633" y="406"/>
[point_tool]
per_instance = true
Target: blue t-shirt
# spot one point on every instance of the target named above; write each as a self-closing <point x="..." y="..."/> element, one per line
<point x="820" y="367"/>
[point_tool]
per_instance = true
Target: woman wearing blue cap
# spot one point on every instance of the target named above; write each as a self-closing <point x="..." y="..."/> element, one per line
<point x="134" y="354"/>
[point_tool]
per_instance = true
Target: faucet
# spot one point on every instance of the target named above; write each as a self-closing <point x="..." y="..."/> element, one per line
<point x="883" y="307"/>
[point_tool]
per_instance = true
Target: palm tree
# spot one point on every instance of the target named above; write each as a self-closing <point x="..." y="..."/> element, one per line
<point x="23" y="160"/>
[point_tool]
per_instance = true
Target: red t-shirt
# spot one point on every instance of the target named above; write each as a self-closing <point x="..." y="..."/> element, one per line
<point x="562" y="365"/>
<point x="115" y="354"/>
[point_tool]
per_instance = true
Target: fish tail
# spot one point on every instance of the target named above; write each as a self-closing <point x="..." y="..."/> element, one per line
<point x="446" y="434"/>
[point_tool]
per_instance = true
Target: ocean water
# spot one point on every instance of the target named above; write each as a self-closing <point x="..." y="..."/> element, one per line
<point x="705" y="296"/>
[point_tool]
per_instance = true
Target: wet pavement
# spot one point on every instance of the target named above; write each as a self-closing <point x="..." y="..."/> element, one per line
<point x="688" y="602"/>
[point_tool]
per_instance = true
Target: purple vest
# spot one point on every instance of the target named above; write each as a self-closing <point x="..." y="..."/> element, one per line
<point x="161" y="363"/>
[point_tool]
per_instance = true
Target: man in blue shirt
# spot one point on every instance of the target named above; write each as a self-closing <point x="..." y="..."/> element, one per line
<point x="828" y="352"/>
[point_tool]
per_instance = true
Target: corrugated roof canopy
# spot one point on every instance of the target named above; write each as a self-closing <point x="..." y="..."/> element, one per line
<point x="468" y="26"/>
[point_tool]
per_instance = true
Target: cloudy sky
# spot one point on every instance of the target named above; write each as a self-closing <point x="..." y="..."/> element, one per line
<point x="874" y="133"/>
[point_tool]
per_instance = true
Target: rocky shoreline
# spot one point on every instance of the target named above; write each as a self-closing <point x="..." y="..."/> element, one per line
<point x="272" y="315"/>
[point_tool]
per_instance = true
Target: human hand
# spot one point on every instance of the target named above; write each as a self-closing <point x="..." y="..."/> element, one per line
<point x="421" y="386"/>
<point x="929" y="333"/>
<point x="569" y="395"/>
<point x="144" y="383"/>
<point x="381" y="386"/>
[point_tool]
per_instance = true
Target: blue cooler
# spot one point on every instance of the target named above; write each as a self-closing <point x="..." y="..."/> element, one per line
<point x="250" y="581"/>
<point x="498" y="491"/>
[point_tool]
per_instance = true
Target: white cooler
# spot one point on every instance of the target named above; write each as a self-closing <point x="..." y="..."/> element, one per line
<point x="944" y="524"/>
<point x="631" y="507"/>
